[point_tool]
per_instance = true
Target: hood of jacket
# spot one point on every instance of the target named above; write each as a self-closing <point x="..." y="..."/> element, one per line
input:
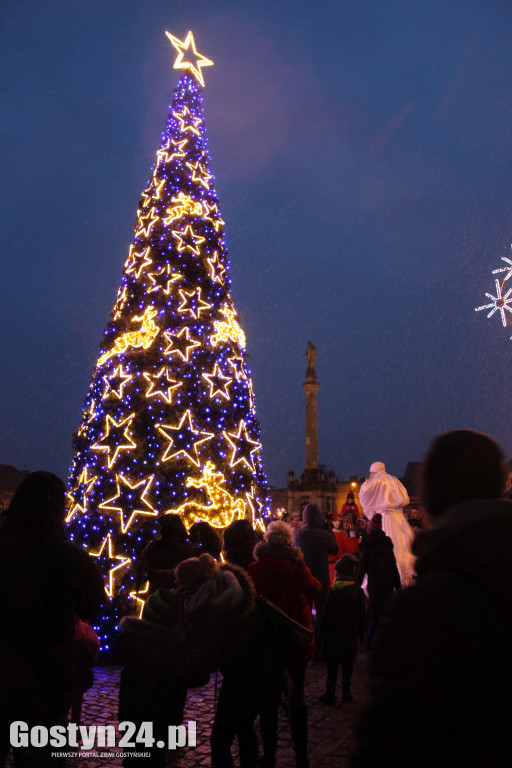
<point x="230" y="592"/>
<point x="472" y="539"/>
<point x="377" y="538"/>
<point x="281" y="553"/>
<point x="313" y="517"/>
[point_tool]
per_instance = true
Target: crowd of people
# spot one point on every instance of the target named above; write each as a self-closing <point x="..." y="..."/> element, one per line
<point x="432" y="607"/>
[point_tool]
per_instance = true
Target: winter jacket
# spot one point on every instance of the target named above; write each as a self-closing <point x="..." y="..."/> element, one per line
<point x="234" y="636"/>
<point x="442" y="671"/>
<point x="151" y="687"/>
<point x="316" y="544"/>
<point x="44" y="582"/>
<point x="378" y="561"/>
<point x="351" y="510"/>
<point x="281" y="575"/>
<point x="347" y="545"/>
<point x="341" y="623"/>
<point x="160" y="558"/>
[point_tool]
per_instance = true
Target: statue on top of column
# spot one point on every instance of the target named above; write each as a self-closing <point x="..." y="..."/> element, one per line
<point x="311" y="354"/>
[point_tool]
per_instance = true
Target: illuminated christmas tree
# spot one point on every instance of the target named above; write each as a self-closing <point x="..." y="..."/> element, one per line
<point x="169" y="423"/>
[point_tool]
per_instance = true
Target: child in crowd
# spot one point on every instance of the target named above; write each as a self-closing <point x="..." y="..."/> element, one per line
<point x="341" y="626"/>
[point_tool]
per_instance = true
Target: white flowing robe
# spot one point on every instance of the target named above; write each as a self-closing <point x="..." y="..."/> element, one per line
<point x="385" y="494"/>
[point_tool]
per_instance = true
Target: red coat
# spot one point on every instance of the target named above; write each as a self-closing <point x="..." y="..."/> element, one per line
<point x="281" y="575"/>
<point x="346" y="546"/>
<point x="351" y="508"/>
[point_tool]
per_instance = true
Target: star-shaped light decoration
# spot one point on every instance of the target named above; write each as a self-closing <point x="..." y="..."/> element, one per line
<point x="194" y="61"/>
<point x="129" y="504"/>
<point x="188" y="240"/>
<point x="115" y="383"/>
<point x="183" y="439"/>
<point x="218" y="382"/>
<point x="255" y="505"/>
<point x="153" y="192"/>
<point x="237" y="364"/>
<point x="136" y="595"/>
<point x="212" y="214"/>
<point x="138" y="261"/>
<point x="166" y="153"/>
<point x="78" y="498"/>
<point x="110" y="561"/>
<point x="216" y="269"/>
<point x="188" y="121"/>
<point x="499" y="303"/>
<point x="163" y="279"/>
<point x="192" y="302"/>
<point x="180" y="344"/>
<point x="200" y="174"/>
<point x="146" y="223"/>
<point x="161" y="384"/>
<point x="111" y="442"/>
<point x="241" y="444"/>
<point x="122" y="295"/>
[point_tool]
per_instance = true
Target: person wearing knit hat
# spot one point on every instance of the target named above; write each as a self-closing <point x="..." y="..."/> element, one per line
<point x="350" y="508"/>
<point x="384" y="494"/>
<point x="341" y="626"/>
<point x="346" y="565"/>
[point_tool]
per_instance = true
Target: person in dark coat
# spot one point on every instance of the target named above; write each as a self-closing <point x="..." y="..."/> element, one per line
<point x="151" y="651"/>
<point x="206" y="537"/>
<point x="238" y="542"/>
<point x="442" y="668"/>
<point x="377" y="561"/>
<point x="226" y="628"/>
<point x="162" y="555"/>
<point x="281" y="575"/>
<point x="341" y="626"/>
<point x="45" y="581"/>
<point x="317" y="542"/>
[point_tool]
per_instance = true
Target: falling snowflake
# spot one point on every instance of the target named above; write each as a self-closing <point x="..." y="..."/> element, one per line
<point x="499" y="303"/>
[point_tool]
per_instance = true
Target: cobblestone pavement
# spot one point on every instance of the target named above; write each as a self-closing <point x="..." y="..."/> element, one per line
<point x="330" y="728"/>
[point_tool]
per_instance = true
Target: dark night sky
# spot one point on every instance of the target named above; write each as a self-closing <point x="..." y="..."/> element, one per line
<point x="362" y="152"/>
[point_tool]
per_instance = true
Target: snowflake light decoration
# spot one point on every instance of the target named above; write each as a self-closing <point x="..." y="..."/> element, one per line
<point x="508" y="269"/>
<point x="502" y="301"/>
<point x="499" y="303"/>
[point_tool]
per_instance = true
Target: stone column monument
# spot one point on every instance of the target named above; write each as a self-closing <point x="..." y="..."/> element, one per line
<point x="310" y="387"/>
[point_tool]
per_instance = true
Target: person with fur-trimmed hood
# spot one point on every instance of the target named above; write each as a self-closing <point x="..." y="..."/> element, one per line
<point x="281" y="575"/>
<point x="226" y="628"/>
